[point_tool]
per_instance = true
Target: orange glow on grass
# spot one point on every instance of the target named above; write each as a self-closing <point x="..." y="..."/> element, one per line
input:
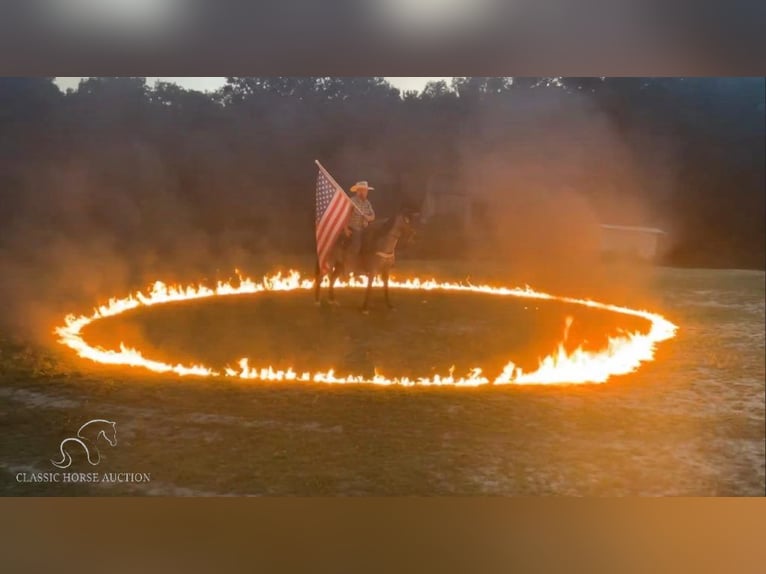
<point x="623" y="354"/>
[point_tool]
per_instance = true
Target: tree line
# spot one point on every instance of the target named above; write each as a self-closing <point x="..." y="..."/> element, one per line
<point x="151" y="174"/>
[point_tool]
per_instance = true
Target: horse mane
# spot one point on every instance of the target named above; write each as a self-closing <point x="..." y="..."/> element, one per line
<point x="387" y="225"/>
<point x="381" y="227"/>
<point x="377" y="230"/>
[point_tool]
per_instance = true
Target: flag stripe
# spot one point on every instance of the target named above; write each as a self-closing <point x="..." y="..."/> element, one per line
<point x="336" y="220"/>
<point x="326" y="224"/>
<point x="337" y="227"/>
<point x="335" y="216"/>
<point x="333" y="208"/>
<point x="330" y="220"/>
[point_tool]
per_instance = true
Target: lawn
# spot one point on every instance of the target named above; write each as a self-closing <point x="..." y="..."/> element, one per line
<point x="690" y="423"/>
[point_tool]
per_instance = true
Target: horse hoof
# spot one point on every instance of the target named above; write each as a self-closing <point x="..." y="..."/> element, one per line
<point x="365" y="311"/>
<point x="333" y="302"/>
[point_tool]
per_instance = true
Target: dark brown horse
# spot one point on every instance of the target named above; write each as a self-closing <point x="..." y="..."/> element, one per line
<point x="377" y="255"/>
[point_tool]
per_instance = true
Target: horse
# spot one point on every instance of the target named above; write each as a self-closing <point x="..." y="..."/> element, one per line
<point x="377" y="255"/>
<point x="87" y="435"/>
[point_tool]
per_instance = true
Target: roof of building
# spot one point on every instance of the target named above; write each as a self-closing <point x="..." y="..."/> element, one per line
<point x="633" y="228"/>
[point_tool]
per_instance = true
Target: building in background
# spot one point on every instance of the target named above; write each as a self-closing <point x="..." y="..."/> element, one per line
<point x="621" y="241"/>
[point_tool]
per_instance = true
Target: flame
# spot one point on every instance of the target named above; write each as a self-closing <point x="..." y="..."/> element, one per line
<point x="624" y="353"/>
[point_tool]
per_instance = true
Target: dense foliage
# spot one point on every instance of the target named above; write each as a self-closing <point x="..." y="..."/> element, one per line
<point x="157" y="174"/>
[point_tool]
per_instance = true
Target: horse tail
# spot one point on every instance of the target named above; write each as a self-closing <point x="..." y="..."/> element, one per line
<point x="66" y="458"/>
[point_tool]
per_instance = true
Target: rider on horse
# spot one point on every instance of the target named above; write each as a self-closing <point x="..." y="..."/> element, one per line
<point x="361" y="216"/>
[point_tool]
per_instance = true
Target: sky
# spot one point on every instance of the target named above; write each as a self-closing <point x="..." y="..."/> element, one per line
<point x="210" y="84"/>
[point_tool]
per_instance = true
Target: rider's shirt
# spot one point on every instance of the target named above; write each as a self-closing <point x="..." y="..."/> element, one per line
<point x="356" y="221"/>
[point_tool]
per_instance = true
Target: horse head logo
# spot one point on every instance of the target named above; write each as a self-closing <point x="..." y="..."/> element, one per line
<point x="87" y="436"/>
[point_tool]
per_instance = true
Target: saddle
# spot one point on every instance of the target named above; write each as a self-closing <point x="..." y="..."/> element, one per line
<point x="370" y="234"/>
<point x="344" y="241"/>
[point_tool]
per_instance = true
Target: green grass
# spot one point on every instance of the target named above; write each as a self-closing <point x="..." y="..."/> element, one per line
<point x="690" y="423"/>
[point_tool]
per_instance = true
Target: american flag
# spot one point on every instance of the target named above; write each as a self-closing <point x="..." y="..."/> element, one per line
<point x="333" y="208"/>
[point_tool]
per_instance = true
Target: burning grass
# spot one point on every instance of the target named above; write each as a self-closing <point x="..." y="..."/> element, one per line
<point x="622" y="352"/>
<point x="690" y="423"/>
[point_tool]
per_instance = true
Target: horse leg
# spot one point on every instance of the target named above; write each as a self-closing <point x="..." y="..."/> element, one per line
<point x="333" y="278"/>
<point x="385" y="287"/>
<point x="317" y="283"/>
<point x="367" y="292"/>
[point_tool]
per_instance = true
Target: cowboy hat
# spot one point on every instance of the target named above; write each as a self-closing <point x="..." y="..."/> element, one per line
<point x="360" y="185"/>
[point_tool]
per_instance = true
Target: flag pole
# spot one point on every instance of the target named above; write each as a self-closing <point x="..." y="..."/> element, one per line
<point x="332" y="179"/>
<point x="327" y="173"/>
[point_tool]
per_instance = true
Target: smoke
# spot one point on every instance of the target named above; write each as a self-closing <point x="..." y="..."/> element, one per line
<point x="87" y="228"/>
<point x="547" y="168"/>
<point x="124" y="209"/>
<point x="110" y="188"/>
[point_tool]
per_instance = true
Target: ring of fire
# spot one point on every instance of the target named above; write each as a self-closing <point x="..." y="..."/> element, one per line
<point x="622" y="355"/>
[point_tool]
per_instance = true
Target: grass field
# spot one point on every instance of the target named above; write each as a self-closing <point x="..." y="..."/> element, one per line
<point x="690" y="423"/>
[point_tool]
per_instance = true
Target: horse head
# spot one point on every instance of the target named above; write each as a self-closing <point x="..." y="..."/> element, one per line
<point x="408" y="219"/>
<point x="86" y="438"/>
<point x="109" y="432"/>
<point x="97" y="428"/>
